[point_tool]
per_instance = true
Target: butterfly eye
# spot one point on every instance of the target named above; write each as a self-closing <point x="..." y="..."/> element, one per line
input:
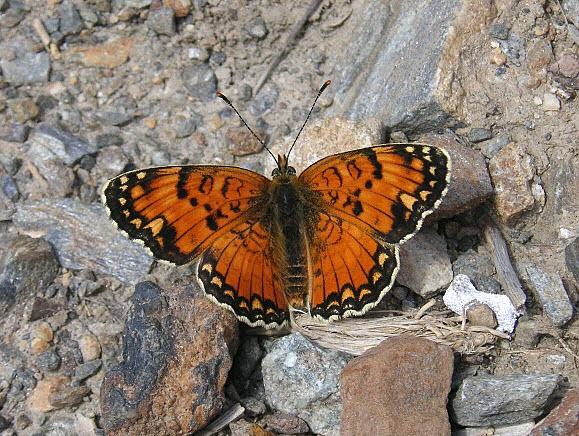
<point x="291" y="171"/>
<point x="275" y="172"/>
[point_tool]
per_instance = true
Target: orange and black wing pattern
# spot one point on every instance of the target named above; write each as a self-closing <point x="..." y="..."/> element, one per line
<point x="239" y="271"/>
<point x="178" y="211"/>
<point x="351" y="271"/>
<point x="385" y="190"/>
<point x="370" y="201"/>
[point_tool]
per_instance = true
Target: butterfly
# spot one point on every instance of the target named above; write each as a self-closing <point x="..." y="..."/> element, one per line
<point x="325" y="242"/>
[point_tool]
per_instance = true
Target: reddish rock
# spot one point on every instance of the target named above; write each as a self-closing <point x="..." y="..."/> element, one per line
<point x="177" y="351"/>
<point x="563" y="419"/>
<point x="470" y="184"/>
<point x="512" y="171"/>
<point x="111" y="54"/>
<point x="399" y="387"/>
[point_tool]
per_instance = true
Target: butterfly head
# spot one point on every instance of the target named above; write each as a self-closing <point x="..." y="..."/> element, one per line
<point x="283" y="169"/>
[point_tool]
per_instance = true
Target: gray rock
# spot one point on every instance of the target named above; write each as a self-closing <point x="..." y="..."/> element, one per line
<point x="571" y="8"/>
<point x="162" y="21"/>
<point x="14" y="132"/>
<point x="253" y="407"/>
<point x="499" y="31"/>
<point x="70" y="21"/>
<point x="256" y="28"/>
<point x="551" y="294"/>
<point x="137" y="4"/>
<point x="264" y="100"/>
<point x="115" y="117"/>
<point x="86" y="370"/>
<point x="572" y="258"/>
<point x="184" y="126"/>
<point x="14" y="15"/>
<point x="501" y="400"/>
<point x="479" y="134"/>
<point x="29" y="264"/>
<point x="424" y="263"/>
<point x="48" y="360"/>
<point x="200" y="81"/>
<point x="27" y="69"/>
<point x="400" y="93"/>
<point x="493" y="146"/>
<point x="108" y="139"/>
<point x="63" y="145"/>
<point x="480" y="269"/>
<point x="8" y="296"/>
<point x="9" y="188"/>
<point x="83" y="237"/>
<point x="302" y="379"/>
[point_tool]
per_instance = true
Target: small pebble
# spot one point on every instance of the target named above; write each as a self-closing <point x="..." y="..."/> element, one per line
<point x="497" y="57"/>
<point x="256" y="28"/>
<point x="90" y="347"/>
<point x="479" y="134"/>
<point x="550" y="102"/>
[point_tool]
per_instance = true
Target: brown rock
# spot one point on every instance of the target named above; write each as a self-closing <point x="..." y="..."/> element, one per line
<point x="178" y="351"/>
<point x="180" y="7"/>
<point x="23" y="109"/>
<point x="539" y="55"/>
<point x="563" y="419"/>
<point x="481" y="314"/>
<point x="67" y="396"/>
<point x="511" y="172"/>
<point x="39" y="401"/>
<point x="399" y="387"/>
<point x="470" y="183"/>
<point x="111" y="54"/>
<point x="567" y="66"/>
<point x="286" y="423"/>
<point x="241" y="142"/>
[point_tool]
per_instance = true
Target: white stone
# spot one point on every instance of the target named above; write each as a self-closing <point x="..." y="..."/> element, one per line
<point x="550" y="102"/>
<point x="461" y="294"/>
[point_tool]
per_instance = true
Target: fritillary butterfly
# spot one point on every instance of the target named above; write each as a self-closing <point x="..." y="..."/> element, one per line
<point x="324" y="242"/>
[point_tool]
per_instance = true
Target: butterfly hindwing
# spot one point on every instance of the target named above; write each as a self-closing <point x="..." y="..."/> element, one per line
<point x="178" y="211"/>
<point x="351" y="271"/>
<point x="239" y="272"/>
<point x="386" y="190"/>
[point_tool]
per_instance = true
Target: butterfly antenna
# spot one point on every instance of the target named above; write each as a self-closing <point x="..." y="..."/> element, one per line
<point x="324" y="86"/>
<point x="226" y="100"/>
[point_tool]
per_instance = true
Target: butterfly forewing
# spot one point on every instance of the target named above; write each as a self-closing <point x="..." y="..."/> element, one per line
<point x="385" y="190"/>
<point x="177" y="212"/>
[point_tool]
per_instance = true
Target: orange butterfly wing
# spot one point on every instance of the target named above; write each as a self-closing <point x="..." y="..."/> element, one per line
<point x="239" y="273"/>
<point x="370" y="199"/>
<point x="213" y="213"/>
<point x="385" y="190"/>
<point x="177" y="212"/>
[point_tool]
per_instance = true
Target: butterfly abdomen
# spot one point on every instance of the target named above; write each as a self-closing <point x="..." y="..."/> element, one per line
<point x="289" y="214"/>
